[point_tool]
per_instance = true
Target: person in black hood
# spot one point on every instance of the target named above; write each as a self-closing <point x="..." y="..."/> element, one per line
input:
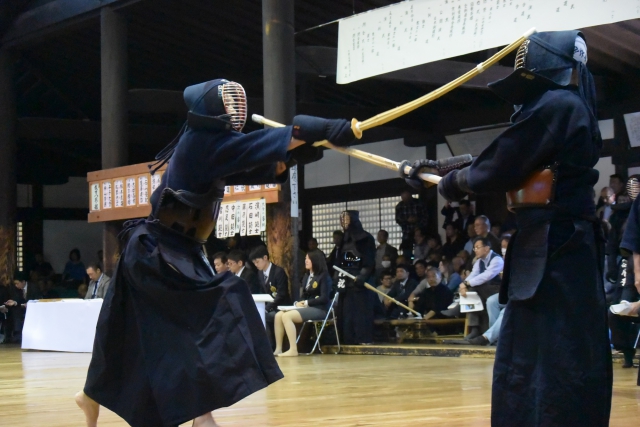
<point x="175" y="341"/>
<point x="616" y="262"/>
<point x="357" y="256"/>
<point x="553" y="362"/>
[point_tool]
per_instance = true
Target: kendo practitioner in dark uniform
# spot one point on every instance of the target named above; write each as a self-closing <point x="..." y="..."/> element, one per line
<point x="174" y="340"/>
<point x="617" y="257"/>
<point x="553" y="362"/>
<point x="357" y="256"/>
<point x="624" y="329"/>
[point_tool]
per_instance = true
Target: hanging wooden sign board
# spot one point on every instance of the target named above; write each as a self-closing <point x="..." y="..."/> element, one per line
<point x="125" y="192"/>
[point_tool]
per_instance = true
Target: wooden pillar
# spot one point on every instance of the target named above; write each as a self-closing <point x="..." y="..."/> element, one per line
<point x="113" y="57"/>
<point x="278" y="49"/>
<point x="8" y="185"/>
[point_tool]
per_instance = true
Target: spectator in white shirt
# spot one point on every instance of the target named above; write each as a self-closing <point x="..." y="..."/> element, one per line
<point x="484" y="280"/>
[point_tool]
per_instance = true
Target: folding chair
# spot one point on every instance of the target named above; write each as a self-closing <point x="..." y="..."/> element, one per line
<point x="331" y="312"/>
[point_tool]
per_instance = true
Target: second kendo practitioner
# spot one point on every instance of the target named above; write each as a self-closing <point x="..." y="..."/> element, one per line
<point x="624" y="328"/>
<point x="174" y="340"/>
<point x="357" y="256"/>
<point x="553" y="362"/>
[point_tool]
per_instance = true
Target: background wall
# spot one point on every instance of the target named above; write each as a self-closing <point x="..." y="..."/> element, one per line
<point x="60" y="236"/>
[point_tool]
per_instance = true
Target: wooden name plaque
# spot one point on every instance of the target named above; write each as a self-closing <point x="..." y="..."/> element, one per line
<point x="125" y="192"/>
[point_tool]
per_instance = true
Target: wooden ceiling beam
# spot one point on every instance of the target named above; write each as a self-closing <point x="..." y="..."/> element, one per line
<point x="42" y="20"/>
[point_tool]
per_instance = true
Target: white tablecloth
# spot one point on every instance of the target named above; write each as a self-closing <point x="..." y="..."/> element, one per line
<point x="70" y="325"/>
<point x="67" y="325"/>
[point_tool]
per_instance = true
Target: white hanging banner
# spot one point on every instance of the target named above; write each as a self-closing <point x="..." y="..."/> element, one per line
<point x="251" y="213"/>
<point x="243" y="219"/>
<point x="238" y="228"/>
<point x="232" y="219"/>
<point x="293" y="179"/>
<point x="263" y="215"/>
<point x="415" y="32"/>
<point x="219" y="226"/>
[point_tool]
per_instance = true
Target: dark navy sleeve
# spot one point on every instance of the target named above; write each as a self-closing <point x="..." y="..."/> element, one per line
<point x="631" y="237"/>
<point x="529" y="144"/>
<point x="201" y="157"/>
<point x="260" y="175"/>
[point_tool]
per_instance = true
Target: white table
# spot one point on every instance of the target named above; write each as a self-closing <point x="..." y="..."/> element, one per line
<point x="70" y="325"/>
<point x="67" y="325"/>
<point x="260" y="299"/>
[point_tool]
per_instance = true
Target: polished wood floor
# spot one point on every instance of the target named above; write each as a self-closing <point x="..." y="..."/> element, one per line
<point x="37" y="388"/>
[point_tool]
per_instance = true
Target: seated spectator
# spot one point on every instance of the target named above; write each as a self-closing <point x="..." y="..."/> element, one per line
<point x="313" y="306"/>
<point x="434" y="243"/>
<point x="220" y="262"/>
<point x="496" y="229"/>
<point x="458" y="264"/>
<point x="617" y="184"/>
<point x="434" y="258"/>
<point x="99" y="282"/>
<point x="237" y="263"/>
<point x="454" y="243"/>
<point x="6" y="327"/>
<point x="420" y="268"/>
<point x="410" y="213"/>
<point x="74" y="270"/>
<point x="471" y="232"/>
<point x="504" y="244"/>
<point x="608" y="198"/>
<point x="450" y="276"/>
<point x="495" y="311"/>
<point x="482" y="227"/>
<point x="467" y="264"/>
<point x="273" y="279"/>
<point x="383" y="250"/>
<point x="21" y="293"/>
<point x="46" y="289"/>
<point x="400" y="291"/>
<point x="420" y="247"/>
<point x="386" y="283"/>
<point x="431" y="296"/>
<point x="41" y="267"/>
<point x="460" y="216"/>
<point x="312" y="245"/>
<point x="485" y="280"/>
<point x="82" y="290"/>
<point x="337" y="241"/>
<point x="387" y="264"/>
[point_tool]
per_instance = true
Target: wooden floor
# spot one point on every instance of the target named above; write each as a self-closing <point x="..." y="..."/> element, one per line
<point x="37" y="388"/>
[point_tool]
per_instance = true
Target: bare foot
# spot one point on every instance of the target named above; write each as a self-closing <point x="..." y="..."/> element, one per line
<point x="290" y="353"/>
<point x="277" y="352"/>
<point x="90" y="408"/>
<point x="205" y="420"/>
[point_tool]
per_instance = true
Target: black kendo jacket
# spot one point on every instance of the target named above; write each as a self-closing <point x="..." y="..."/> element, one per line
<point x="358" y="240"/>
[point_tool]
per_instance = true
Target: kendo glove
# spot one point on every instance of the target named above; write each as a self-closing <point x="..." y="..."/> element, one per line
<point x="438" y="167"/>
<point x="311" y="129"/>
<point x="450" y="186"/>
<point x="358" y="283"/>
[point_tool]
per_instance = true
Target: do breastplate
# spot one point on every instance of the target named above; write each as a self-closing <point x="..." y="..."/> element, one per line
<point x="193" y="215"/>
<point x="350" y="257"/>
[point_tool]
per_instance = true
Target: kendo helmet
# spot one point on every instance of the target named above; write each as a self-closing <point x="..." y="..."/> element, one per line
<point x="544" y="61"/>
<point x="216" y="104"/>
<point x="633" y="186"/>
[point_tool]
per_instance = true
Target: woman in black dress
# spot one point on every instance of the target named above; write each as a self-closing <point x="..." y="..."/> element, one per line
<point x="314" y="304"/>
